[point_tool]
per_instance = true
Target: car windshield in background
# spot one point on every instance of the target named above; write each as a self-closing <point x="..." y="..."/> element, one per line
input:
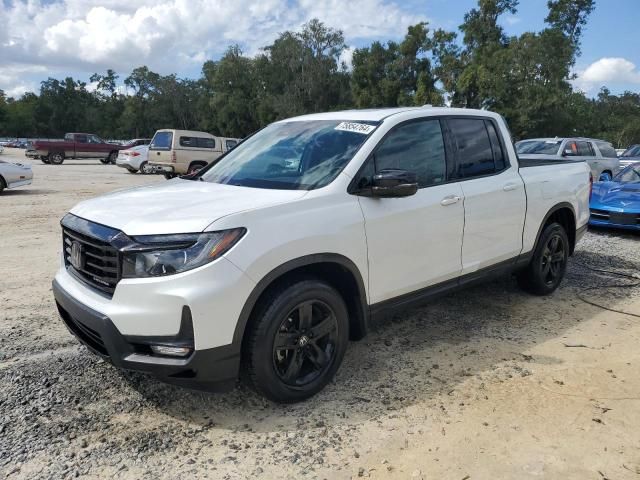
<point x="631" y="174"/>
<point x="538" y="147"/>
<point x="161" y="141"/>
<point x="297" y="155"/>
<point x="633" y="151"/>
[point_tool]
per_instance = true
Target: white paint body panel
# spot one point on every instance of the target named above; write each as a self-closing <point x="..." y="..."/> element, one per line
<point x="398" y="245"/>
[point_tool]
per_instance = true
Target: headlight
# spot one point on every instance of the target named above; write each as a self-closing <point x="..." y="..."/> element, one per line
<point x="158" y="255"/>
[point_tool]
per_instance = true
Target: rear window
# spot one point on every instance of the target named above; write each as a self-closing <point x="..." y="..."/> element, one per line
<point x="197" y="142"/>
<point x="161" y="141"/>
<point x="475" y="155"/>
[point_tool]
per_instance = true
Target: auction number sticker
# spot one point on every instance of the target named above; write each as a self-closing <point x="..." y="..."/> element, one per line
<point x="362" y="128"/>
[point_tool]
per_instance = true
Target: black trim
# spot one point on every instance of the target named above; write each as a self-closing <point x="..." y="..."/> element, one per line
<point x="527" y="161"/>
<point x="418" y="297"/>
<point x="581" y="231"/>
<point x="359" y="325"/>
<point x="213" y="369"/>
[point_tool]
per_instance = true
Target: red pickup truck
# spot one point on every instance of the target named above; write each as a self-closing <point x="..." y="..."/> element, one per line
<point x="74" y="145"/>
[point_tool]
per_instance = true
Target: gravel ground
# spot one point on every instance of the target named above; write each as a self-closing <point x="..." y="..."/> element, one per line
<point x="485" y="383"/>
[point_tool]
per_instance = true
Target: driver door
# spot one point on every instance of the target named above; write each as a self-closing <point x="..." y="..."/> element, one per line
<point x="413" y="242"/>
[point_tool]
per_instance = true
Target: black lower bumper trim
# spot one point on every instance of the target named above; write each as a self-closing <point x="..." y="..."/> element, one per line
<point x="213" y="369"/>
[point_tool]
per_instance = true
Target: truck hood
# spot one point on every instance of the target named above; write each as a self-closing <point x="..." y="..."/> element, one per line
<point x="177" y="206"/>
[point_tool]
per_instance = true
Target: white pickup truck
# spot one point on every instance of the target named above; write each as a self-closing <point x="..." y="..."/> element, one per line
<point x="284" y="249"/>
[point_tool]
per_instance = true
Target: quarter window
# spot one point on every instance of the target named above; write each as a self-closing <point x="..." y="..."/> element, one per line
<point x="607" y="150"/>
<point x="197" y="142"/>
<point x="498" y="153"/>
<point x="475" y="154"/>
<point x="417" y="147"/>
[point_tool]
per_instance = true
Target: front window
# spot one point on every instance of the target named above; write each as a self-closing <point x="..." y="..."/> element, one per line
<point x="94" y="139"/>
<point x="538" y="147"/>
<point x="631" y="174"/>
<point x="297" y="155"/>
<point x="633" y="151"/>
<point x="161" y="141"/>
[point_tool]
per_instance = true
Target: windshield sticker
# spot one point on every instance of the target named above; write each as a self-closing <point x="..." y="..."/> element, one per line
<point x="362" y="128"/>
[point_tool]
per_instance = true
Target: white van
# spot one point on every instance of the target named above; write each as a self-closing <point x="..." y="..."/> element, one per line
<point x="180" y="152"/>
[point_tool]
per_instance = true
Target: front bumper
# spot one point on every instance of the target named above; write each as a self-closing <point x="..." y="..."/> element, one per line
<point x="32" y="154"/>
<point x="213" y="369"/>
<point x="604" y="223"/>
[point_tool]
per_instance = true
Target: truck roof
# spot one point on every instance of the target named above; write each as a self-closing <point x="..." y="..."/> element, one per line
<point x="560" y="139"/>
<point x="378" y="114"/>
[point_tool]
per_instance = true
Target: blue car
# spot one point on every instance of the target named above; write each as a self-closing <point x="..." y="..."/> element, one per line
<point x="616" y="203"/>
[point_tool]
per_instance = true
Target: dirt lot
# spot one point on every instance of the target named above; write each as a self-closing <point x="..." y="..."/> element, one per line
<point x="483" y="384"/>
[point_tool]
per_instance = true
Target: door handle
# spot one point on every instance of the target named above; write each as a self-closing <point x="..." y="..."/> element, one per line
<point x="449" y="200"/>
<point x="510" y="186"/>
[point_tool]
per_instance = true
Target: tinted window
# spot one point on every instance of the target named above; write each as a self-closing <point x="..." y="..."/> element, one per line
<point x="498" y="153"/>
<point x="538" y="147"/>
<point x="606" y="150"/>
<point x="474" y="148"/>
<point x="161" y="141"/>
<point x="417" y="147"/>
<point x="231" y="144"/>
<point x="584" y="149"/>
<point x="204" y="142"/>
<point x="94" y="139"/>
<point x="81" y="138"/>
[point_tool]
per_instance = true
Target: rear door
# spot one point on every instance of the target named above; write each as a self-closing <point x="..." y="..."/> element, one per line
<point x="494" y="195"/>
<point x="412" y="242"/>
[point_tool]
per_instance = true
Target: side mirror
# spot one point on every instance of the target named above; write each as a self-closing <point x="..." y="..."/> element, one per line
<point x="604" y="177"/>
<point x="392" y="183"/>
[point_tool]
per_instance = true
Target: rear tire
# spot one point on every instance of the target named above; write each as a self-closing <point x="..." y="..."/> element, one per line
<point x="549" y="263"/>
<point x="146" y="169"/>
<point x="194" y="167"/>
<point x="56" y="158"/>
<point x="297" y="340"/>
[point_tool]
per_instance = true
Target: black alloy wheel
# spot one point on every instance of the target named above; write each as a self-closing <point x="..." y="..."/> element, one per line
<point x="297" y="339"/>
<point x="553" y="259"/>
<point x="305" y="343"/>
<point x="549" y="262"/>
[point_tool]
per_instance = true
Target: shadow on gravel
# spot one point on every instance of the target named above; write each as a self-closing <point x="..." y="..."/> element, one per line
<point x="615" y="232"/>
<point x="33" y="191"/>
<point x="411" y="357"/>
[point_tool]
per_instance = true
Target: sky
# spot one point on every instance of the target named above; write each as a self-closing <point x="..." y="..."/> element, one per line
<point x="60" y="38"/>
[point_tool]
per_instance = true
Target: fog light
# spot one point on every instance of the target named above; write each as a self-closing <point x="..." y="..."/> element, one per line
<point x="170" y="351"/>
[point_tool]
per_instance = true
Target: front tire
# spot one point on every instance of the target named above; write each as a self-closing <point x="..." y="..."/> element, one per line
<point x="549" y="263"/>
<point x="56" y="158"/>
<point x="297" y="341"/>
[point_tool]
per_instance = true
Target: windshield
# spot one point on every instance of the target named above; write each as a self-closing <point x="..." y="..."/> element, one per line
<point x="297" y="155"/>
<point x="632" y="151"/>
<point x="538" y="147"/>
<point x="631" y="174"/>
<point x="161" y="141"/>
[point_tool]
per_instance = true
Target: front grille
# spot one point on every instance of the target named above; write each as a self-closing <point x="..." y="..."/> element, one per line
<point x="616" y="218"/>
<point x="100" y="261"/>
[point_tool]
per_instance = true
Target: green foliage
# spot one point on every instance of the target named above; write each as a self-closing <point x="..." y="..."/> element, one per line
<point x="526" y="78"/>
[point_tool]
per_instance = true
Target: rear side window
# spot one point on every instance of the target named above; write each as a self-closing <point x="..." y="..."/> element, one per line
<point x="584" y="149"/>
<point x="197" y="142"/>
<point x="161" y="141"/>
<point x="230" y="144"/>
<point x="417" y="147"/>
<point x="606" y="150"/>
<point x="475" y="155"/>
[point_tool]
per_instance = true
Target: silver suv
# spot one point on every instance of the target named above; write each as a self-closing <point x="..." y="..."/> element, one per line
<point x="599" y="154"/>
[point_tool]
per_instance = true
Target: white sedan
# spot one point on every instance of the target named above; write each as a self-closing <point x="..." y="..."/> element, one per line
<point x="14" y="175"/>
<point x="135" y="160"/>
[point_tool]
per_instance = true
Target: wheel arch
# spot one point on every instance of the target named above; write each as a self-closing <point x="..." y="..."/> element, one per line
<point x="197" y="162"/>
<point x="337" y="270"/>
<point x="564" y="214"/>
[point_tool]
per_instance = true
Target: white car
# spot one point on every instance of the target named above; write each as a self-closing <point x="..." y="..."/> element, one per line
<point x="14" y="175"/>
<point x="280" y="260"/>
<point x="135" y="160"/>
